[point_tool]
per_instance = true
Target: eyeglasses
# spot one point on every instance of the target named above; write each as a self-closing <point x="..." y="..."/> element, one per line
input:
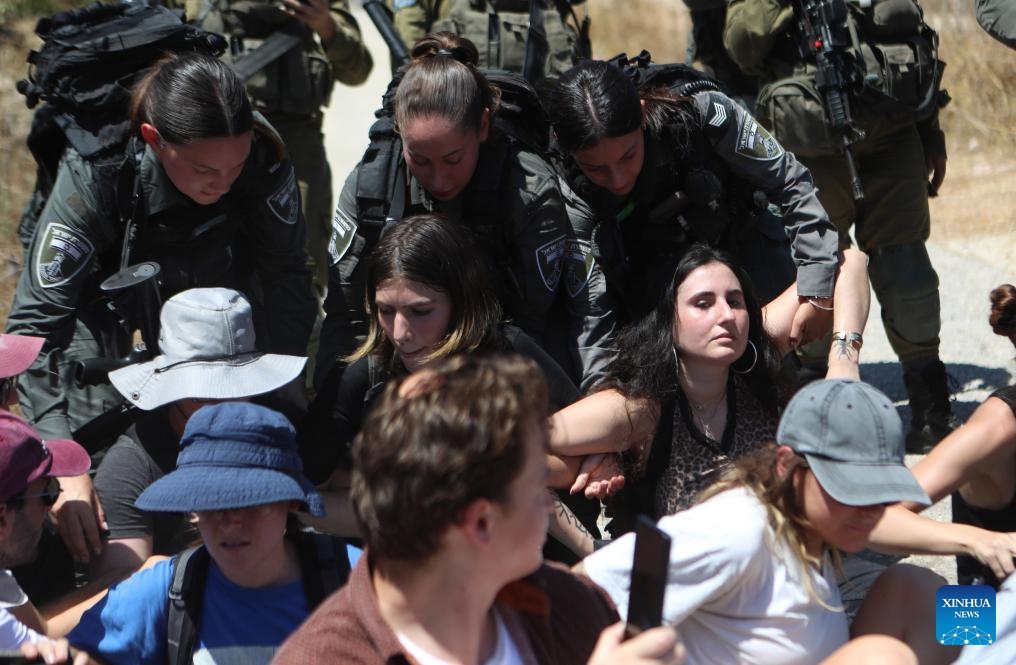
<point x="48" y="498"/>
<point x="9" y="390"/>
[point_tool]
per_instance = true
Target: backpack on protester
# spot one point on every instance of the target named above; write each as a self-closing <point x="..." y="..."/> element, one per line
<point x="85" y="71"/>
<point x="324" y="568"/>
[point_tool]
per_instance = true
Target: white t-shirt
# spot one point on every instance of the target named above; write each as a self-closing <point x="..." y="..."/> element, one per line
<point x="734" y="594"/>
<point x="11" y="595"/>
<point x="505" y="653"/>
<point x="13" y="633"/>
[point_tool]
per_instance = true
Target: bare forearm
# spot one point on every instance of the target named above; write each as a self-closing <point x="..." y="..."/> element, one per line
<point x="566" y="528"/>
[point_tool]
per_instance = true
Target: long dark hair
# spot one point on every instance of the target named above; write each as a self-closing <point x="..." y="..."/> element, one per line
<point x="433" y="250"/>
<point x="595" y="100"/>
<point x="646" y="366"/>
<point x="191" y="96"/>
<point x="443" y="81"/>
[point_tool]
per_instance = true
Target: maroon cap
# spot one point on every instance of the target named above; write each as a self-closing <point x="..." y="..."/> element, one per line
<point x="24" y="457"/>
<point x="17" y="352"/>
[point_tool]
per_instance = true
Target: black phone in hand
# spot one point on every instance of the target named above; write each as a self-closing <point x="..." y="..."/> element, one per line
<point x="648" y="577"/>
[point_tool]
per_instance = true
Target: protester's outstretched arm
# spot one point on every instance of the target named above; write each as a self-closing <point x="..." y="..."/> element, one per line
<point x="566" y="527"/>
<point x="985" y="443"/>
<point x="852" y="301"/>
<point x="604" y="422"/>
<point x="902" y="532"/>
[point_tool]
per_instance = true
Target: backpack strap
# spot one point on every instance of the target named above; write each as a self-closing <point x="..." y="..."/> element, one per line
<point x="190" y="570"/>
<point x="324" y="565"/>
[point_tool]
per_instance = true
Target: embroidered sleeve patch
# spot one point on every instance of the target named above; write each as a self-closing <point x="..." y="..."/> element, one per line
<point x="285" y="202"/>
<point x="550" y="262"/>
<point x="578" y="255"/>
<point x="61" y="255"/>
<point x="343" y="232"/>
<point x="755" y="142"/>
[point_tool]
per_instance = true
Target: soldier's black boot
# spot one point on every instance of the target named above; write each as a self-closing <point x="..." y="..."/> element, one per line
<point x="931" y="417"/>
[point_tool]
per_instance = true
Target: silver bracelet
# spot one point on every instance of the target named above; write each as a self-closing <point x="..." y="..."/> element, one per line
<point x="814" y="303"/>
<point x="854" y="339"/>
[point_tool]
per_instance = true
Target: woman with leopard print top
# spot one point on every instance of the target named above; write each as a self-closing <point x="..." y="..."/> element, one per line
<point x="694" y="385"/>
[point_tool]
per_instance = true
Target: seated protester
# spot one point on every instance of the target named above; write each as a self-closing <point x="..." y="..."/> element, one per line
<point x="240" y="475"/>
<point x="452" y="570"/>
<point x="28" y="489"/>
<point x="207" y="354"/>
<point x="751" y="578"/>
<point x="453" y="151"/>
<point x="17" y="353"/>
<point x="976" y="463"/>
<point x="694" y="385"/>
<point x="428" y="296"/>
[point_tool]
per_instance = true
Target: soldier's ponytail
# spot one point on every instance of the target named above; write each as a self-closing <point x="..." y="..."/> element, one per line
<point x="191" y="96"/>
<point x="443" y="80"/>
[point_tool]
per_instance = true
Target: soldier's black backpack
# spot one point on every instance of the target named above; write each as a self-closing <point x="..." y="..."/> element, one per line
<point x="84" y="72"/>
<point x="324" y="568"/>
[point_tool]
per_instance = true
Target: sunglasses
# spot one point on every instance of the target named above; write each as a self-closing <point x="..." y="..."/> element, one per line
<point x="48" y="498"/>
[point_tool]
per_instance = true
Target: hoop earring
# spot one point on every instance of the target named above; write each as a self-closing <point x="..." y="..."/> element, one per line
<point x="754" y="360"/>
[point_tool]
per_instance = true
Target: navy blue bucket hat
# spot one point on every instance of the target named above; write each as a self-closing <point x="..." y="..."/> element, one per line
<point x="233" y="455"/>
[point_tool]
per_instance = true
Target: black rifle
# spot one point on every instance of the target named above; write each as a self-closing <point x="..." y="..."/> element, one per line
<point x="133" y="295"/>
<point x="381" y="17"/>
<point x="825" y="36"/>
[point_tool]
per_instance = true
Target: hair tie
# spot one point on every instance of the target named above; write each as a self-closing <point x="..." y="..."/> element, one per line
<point x="444" y="51"/>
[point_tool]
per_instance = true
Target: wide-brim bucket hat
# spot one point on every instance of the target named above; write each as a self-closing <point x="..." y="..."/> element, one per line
<point x="851" y="436"/>
<point x="233" y="455"/>
<point x="207" y="350"/>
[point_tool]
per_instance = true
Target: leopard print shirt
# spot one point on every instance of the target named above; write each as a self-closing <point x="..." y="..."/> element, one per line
<point x="696" y="460"/>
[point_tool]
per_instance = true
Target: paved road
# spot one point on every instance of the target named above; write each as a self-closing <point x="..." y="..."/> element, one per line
<point x="978" y="360"/>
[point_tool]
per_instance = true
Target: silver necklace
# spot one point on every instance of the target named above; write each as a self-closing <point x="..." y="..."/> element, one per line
<point x="703" y="420"/>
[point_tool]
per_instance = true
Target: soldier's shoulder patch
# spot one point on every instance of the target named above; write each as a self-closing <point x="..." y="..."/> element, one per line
<point x="579" y="257"/>
<point x="285" y="201"/>
<point x="755" y="141"/>
<point x="343" y="231"/>
<point x="549" y="261"/>
<point x="62" y="253"/>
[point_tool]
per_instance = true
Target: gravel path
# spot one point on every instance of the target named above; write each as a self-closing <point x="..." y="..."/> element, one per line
<point x="969" y="268"/>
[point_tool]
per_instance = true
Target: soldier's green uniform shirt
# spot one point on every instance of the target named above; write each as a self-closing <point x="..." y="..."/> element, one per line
<point x="252" y="240"/>
<point x="291" y="92"/>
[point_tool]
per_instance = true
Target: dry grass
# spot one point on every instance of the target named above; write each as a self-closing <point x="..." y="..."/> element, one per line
<point x="978" y="199"/>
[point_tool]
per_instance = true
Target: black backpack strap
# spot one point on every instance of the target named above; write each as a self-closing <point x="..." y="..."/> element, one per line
<point x="324" y="565"/>
<point x="185" y="593"/>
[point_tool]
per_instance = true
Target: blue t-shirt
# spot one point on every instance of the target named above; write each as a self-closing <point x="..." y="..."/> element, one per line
<point x="238" y="624"/>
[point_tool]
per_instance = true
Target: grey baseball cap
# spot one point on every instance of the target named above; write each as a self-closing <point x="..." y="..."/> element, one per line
<point x="853" y="440"/>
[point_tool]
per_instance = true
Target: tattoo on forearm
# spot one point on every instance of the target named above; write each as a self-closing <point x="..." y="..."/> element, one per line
<point x="844" y="349"/>
<point x="566" y="515"/>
